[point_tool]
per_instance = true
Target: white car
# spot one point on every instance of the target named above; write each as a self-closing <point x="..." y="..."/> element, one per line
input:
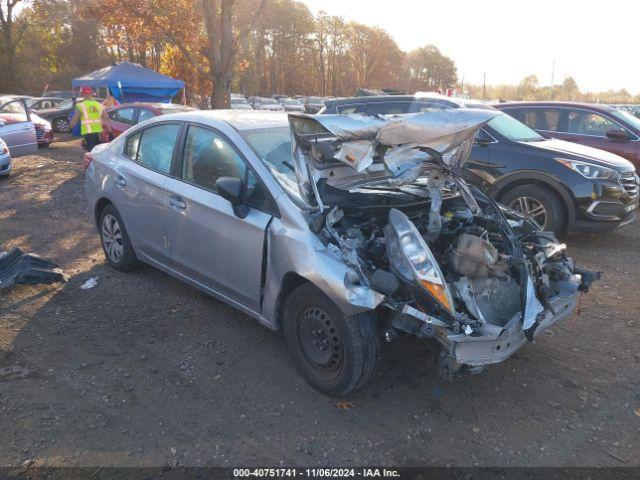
<point x="5" y="159"/>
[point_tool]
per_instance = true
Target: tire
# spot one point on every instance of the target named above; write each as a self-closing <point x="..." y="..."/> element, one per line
<point x="115" y="241"/>
<point x="531" y="199"/>
<point x="60" y="125"/>
<point x="328" y="348"/>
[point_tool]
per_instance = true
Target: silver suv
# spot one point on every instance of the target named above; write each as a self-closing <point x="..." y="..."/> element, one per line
<point x="343" y="231"/>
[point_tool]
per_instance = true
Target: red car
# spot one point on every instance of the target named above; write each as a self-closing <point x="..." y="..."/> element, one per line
<point x="126" y="115"/>
<point x="599" y="126"/>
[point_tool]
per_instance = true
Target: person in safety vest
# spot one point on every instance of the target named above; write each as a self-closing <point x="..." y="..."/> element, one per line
<point x="89" y="113"/>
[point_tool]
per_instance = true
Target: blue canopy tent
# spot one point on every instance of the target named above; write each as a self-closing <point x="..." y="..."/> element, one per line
<point x="130" y="82"/>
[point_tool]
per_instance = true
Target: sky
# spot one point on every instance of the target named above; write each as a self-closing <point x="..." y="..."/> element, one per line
<point x="594" y="42"/>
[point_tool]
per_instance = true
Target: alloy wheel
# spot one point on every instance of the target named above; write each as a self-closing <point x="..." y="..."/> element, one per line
<point x="532" y="208"/>
<point x="61" y="125"/>
<point x="112" y="238"/>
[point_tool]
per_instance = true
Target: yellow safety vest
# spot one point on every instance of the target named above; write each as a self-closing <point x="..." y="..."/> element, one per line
<point x="90" y="116"/>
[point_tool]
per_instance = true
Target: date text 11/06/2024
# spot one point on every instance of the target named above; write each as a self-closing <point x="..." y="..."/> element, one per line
<point x="315" y="472"/>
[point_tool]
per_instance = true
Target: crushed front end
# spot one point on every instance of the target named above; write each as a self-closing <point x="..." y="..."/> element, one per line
<point x="452" y="265"/>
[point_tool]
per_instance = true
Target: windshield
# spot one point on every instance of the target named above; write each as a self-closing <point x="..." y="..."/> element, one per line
<point x="509" y="127"/>
<point x="238" y="101"/>
<point x="316" y="100"/>
<point x="267" y="101"/>
<point x="273" y="147"/>
<point x="292" y="102"/>
<point x="627" y="117"/>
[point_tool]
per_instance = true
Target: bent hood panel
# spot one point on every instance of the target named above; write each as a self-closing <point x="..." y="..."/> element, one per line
<point x="449" y="132"/>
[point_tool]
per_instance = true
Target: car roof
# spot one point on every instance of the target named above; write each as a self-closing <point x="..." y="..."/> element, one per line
<point x="238" y="119"/>
<point x="593" y="106"/>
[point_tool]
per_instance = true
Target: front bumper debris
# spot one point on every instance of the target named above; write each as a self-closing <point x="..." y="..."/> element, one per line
<point x="19" y="268"/>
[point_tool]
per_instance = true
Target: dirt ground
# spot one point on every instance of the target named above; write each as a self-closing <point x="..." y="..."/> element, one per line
<point x="143" y="370"/>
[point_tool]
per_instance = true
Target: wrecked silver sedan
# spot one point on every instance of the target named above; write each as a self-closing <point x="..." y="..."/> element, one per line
<point x="343" y="231"/>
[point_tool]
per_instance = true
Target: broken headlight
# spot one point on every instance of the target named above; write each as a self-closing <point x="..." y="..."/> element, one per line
<point x="412" y="259"/>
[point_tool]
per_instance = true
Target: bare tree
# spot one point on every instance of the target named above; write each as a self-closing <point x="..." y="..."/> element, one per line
<point x="10" y="37"/>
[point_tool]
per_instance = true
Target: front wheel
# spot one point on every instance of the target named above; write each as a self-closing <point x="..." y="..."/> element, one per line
<point x="61" y="125"/>
<point x="329" y="349"/>
<point x="540" y="204"/>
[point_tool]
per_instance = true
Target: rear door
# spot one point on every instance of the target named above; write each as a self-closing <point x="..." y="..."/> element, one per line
<point x="209" y="243"/>
<point x="16" y="128"/>
<point x="140" y="192"/>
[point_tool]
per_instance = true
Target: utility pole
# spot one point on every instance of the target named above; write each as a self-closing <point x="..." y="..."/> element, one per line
<point x="553" y="73"/>
<point x="484" y="85"/>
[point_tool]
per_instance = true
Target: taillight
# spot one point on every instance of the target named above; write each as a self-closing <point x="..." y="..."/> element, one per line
<point x="87" y="159"/>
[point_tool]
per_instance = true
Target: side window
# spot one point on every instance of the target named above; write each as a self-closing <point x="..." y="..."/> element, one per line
<point x="145" y="114"/>
<point x="153" y="147"/>
<point x="131" y="146"/>
<point x="583" y="122"/>
<point x="15" y="106"/>
<point x="37" y="105"/>
<point x="349" y="109"/>
<point x="125" y="115"/>
<point x="547" y="119"/>
<point x="388" y="108"/>
<point x="208" y="156"/>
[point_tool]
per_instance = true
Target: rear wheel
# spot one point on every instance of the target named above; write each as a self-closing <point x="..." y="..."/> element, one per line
<point x="61" y="125"/>
<point x="115" y="241"/>
<point x="540" y="204"/>
<point x="329" y="349"/>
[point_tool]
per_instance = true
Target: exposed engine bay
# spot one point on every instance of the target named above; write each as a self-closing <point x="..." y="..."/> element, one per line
<point x="449" y="263"/>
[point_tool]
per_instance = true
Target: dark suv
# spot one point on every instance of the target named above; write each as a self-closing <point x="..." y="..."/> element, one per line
<point x="561" y="185"/>
<point x="601" y="126"/>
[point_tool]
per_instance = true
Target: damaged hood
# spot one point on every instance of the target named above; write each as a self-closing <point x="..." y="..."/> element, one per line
<point x="389" y="146"/>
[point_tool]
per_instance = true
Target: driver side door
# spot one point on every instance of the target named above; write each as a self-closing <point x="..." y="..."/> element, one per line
<point x="209" y="243"/>
<point x="17" y="130"/>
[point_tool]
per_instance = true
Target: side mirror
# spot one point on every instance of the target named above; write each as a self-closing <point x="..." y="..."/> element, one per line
<point x="232" y="189"/>
<point x="2" y="123"/>
<point x="482" y="138"/>
<point x="617" y="134"/>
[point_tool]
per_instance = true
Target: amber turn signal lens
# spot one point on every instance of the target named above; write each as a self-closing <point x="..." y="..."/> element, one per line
<point x="438" y="292"/>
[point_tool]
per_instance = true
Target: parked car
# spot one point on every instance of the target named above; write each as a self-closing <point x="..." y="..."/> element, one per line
<point x="600" y="126"/>
<point x="124" y="116"/>
<point x="240" y="104"/>
<point x="337" y="248"/>
<point x="43" y="103"/>
<point x="17" y="127"/>
<point x="59" y="116"/>
<point x="68" y="94"/>
<point x="313" y="104"/>
<point x="293" y="105"/>
<point x="561" y="185"/>
<point x="5" y="158"/>
<point x="269" y="104"/>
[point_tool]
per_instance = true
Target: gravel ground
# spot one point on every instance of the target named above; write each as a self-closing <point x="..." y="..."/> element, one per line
<point x="143" y="370"/>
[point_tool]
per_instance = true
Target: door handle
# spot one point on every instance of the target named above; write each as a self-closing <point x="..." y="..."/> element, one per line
<point x="177" y="202"/>
<point x="120" y="180"/>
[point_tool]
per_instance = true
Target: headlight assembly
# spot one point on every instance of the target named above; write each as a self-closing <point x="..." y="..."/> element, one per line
<point x="589" y="170"/>
<point x="412" y="259"/>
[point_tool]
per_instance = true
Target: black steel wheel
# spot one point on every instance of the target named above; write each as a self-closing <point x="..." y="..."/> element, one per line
<point x="329" y="348"/>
